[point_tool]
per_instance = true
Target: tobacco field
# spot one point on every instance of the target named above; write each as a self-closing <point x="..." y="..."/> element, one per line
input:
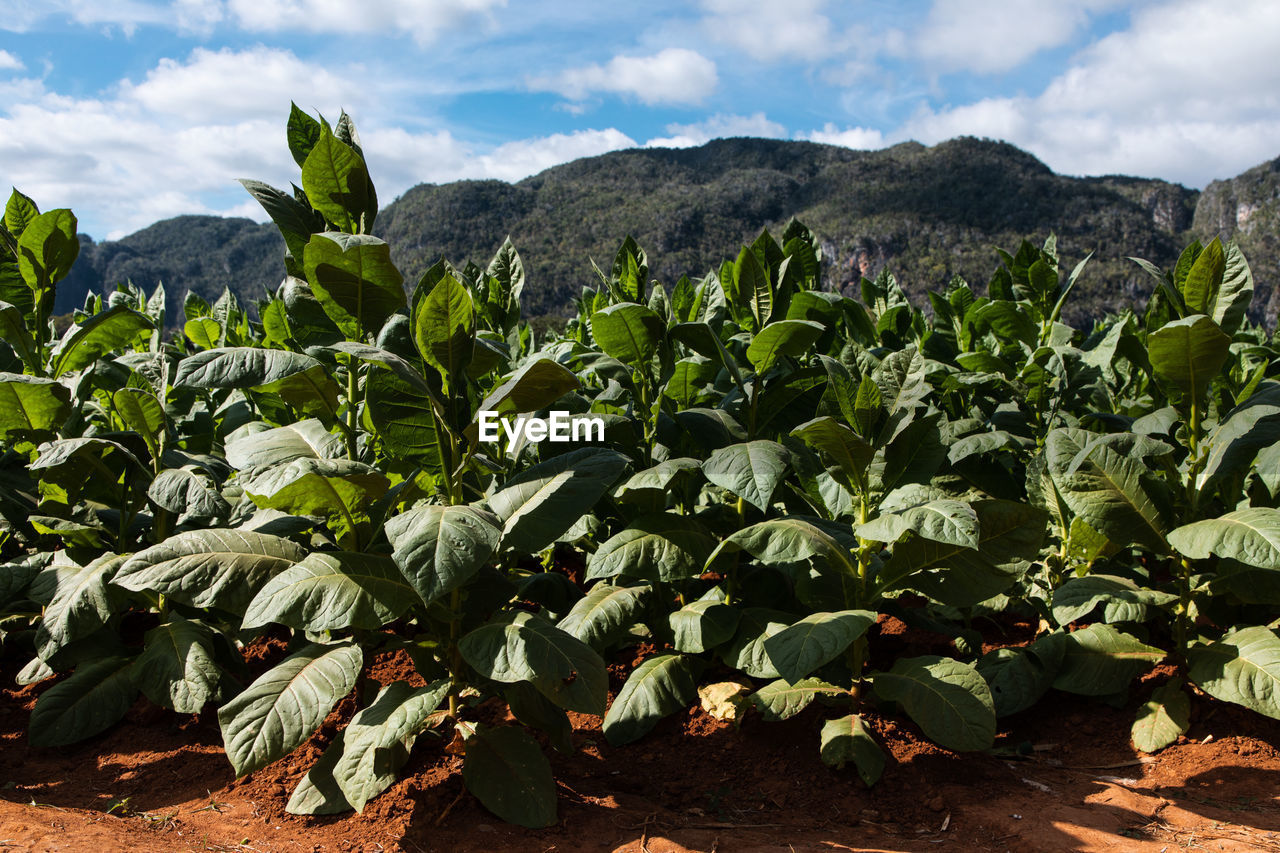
<point x="782" y="468"/>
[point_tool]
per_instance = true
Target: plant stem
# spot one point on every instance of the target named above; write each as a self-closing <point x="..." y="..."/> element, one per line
<point x="1182" y="614"/>
<point x="455" y="654"/>
<point x="353" y="385"/>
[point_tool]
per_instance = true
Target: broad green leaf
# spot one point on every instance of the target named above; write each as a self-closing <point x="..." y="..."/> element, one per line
<point x="753" y="287"/>
<point x="657" y="688"/>
<point x="815" y="641"/>
<point x="337" y="184"/>
<point x="295" y="220"/>
<point x="19" y="211"/>
<point x="242" y="367"/>
<point x="209" y="568"/>
<point x="841" y="444"/>
<point x="404" y="418"/>
<point x="286" y="704"/>
<point x="440" y="548"/>
<point x="1243" y="667"/>
<point x="318" y="793"/>
<point x="658" y="479"/>
<point x="948" y="699"/>
<point x="506" y="771"/>
<point x="81" y="604"/>
<point x="332" y="591"/>
<point x="1100" y="661"/>
<point x="177" y="669"/>
<point x="376" y="743"/>
<point x="1189" y="353"/>
<point x="1251" y="536"/>
<point x="1200" y="287"/>
<point x="605" y="613"/>
<point x="142" y="413"/>
<point x="302" y="132"/>
<point x="31" y="406"/>
<point x="783" y="338"/>
<point x="1236" y="291"/>
<point x="355" y="281"/>
<point x="752" y="470"/>
<point x="1114" y="493"/>
<point x="541" y="503"/>
<point x="94" y="698"/>
<point x="782" y="541"/>
<point x="1009" y="535"/>
<point x="524" y="647"/>
<point x="204" y="332"/>
<point x="779" y="700"/>
<point x="13" y="331"/>
<point x="1018" y="677"/>
<point x="1124" y="600"/>
<point x="47" y="248"/>
<point x="690" y="381"/>
<point x="747" y="651"/>
<point x="306" y="439"/>
<point x="1163" y="719"/>
<point x="535" y="386"/>
<point x="629" y="332"/>
<point x="847" y="740"/>
<point x="111" y="330"/>
<point x="702" y="625"/>
<point x="338" y="489"/>
<point x="949" y="522"/>
<point x="444" y="325"/>
<point x="658" y="547"/>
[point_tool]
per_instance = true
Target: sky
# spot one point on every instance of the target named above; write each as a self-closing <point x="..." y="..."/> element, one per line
<point x="131" y="111"/>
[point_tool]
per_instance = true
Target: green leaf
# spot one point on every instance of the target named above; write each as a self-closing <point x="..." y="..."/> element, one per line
<point x="177" y="669"/>
<point x="295" y="220"/>
<point x="1018" y="677"/>
<point x="841" y="444"/>
<point x="690" y="380"/>
<point x="1114" y="493"/>
<point x="204" y="332"/>
<point x="1200" y="287"/>
<point x="111" y="330"/>
<point x="1163" y="719"/>
<point x="1100" y="661"/>
<point x="847" y="740"/>
<point x="662" y="546"/>
<point x="306" y="439"/>
<point x="656" y="481"/>
<point x="302" y="132"/>
<point x="286" y="704"/>
<point x="657" y="688"/>
<point x="1236" y="291"/>
<point x="1125" y="601"/>
<point x="702" y="625"/>
<point x="19" y="212"/>
<point x="332" y="591"/>
<point x="80" y="605"/>
<point x="949" y="522"/>
<point x="1251" y="536"/>
<point x="13" y="330"/>
<point x="524" y="647"/>
<point x="779" y="700"/>
<point x="1189" y="353"/>
<point x="747" y="651"/>
<point x="815" y="641"/>
<point x="444" y="325"/>
<point x="629" y="332"/>
<point x="949" y="700"/>
<point x="92" y="700"/>
<point x="1009" y="535"/>
<point x="1243" y="667"/>
<point x="403" y="415"/>
<point x="31" y="407"/>
<point x="540" y="504"/>
<point x="605" y="613"/>
<point x="337" y="184"/>
<point x="47" y="248"/>
<point x="506" y="771"/>
<point x="783" y="541"/>
<point x="535" y="386"/>
<point x="376" y="743"/>
<point x="242" y="367"/>
<point x="783" y="338"/>
<point x="318" y="793"/>
<point x="338" y="489"/>
<point x="752" y="470"/>
<point x="355" y="281"/>
<point x="440" y="548"/>
<point x="142" y="413"/>
<point x="209" y="568"/>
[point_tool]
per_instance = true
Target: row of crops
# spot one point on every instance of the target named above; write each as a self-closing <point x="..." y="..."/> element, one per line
<point x="780" y="466"/>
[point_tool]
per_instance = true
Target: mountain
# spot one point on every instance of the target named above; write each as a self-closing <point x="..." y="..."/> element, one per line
<point x="927" y="213"/>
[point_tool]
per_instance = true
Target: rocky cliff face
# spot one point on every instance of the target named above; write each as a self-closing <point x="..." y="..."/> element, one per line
<point x="1246" y="209"/>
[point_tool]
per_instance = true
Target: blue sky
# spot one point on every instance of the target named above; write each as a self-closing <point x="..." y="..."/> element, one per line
<point x="135" y="110"/>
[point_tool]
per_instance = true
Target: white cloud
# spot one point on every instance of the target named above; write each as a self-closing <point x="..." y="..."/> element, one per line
<point x="425" y="20"/>
<point x="991" y="36"/>
<point x="772" y="31"/>
<point x="9" y="62"/>
<point x="862" y="138"/>
<point x="22" y="15"/>
<point x="1185" y="93"/>
<point x="671" y="76"/>
<point x="718" y="126"/>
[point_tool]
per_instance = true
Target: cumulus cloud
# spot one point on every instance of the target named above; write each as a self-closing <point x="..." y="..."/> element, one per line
<point x="1185" y="93"/>
<point x="718" y="126"/>
<point x="770" y="32"/>
<point x="862" y="138"/>
<point x="425" y="20"/>
<point x="9" y="62"/>
<point x="675" y="75"/>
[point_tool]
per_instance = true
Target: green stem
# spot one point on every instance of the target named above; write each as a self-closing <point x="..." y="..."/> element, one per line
<point x="1182" y="614"/>
<point x="353" y="387"/>
<point x="455" y="654"/>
